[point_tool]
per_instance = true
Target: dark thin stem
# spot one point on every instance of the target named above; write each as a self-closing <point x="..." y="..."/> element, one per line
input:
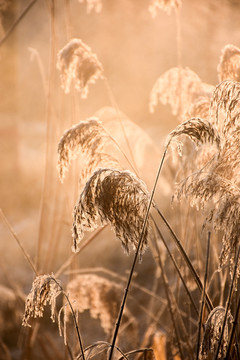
<point x="235" y="322"/>
<point x="25" y="11"/>
<point x="176" y="267"/>
<point x="73" y="315"/>
<point x="228" y="303"/>
<point x="135" y="258"/>
<point x="203" y="297"/>
<point x="167" y="292"/>
<point x="186" y="259"/>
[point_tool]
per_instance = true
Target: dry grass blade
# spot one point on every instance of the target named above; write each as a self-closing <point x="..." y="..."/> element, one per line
<point x="167" y="90"/>
<point x="79" y="64"/>
<point x="229" y="63"/>
<point x="93" y="5"/>
<point x="89" y="138"/>
<point x="213" y="328"/>
<point x="44" y="291"/>
<point x="102" y="298"/>
<point x="115" y="197"/>
<point x="165" y="5"/>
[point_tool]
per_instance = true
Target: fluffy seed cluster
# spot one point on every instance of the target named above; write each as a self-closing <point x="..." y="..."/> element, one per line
<point x="229" y="64"/>
<point x="165" y="5"/>
<point x="213" y="328"/>
<point x="180" y="88"/>
<point x="102" y="298"/>
<point x="45" y="290"/>
<point x="115" y="197"/>
<point x="79" y="64"/>
<point x="89" y="138"/>
<point x="216" y="186"/>
<point x="93" y="5"/>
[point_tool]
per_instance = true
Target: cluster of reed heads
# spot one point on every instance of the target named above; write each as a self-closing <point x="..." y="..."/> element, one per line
<point x="190" y="310"/>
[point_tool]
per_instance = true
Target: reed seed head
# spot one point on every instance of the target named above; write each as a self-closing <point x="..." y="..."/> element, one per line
<point x="115" y="197"/>
<point x="89" y="138"/>
<point x="229" y="63"/>
<point x="45" y="290"/>
<point x="79" y="64"/>
<point x="213" y="328"/>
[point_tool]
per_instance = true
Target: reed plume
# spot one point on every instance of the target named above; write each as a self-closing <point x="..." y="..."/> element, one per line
<point x="115" y="197"/>
<point x="213" y="328"/>
<point x="45" y="290"/>
<point x="229" y="63"/>
<point x="89" y="138"/>
<point x="93" y="5"/>
<point x="165" y="5"/>
<point x="76" y="62"/>
<point x="225" y="109"/>
<point x="102" y="298"/>
<point x="179" y="88"/>
<point x="199" y="108"/>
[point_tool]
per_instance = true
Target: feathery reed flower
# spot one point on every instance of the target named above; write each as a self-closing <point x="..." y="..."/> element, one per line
<point x="78" y="63"/>
<point x="179" y="88"/>
<point x="229" y="63"/>
<point x="89" y="138"/>
<point x="95" y="5"/>
<point x="45" y="290"/>
<point x="102" y="298"/>
<point x="165" y="5"/>
<point x="213" y="328"/>
<point x="115" y="197"/>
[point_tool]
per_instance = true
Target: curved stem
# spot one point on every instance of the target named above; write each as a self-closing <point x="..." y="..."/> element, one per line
<point x="135" y="258"/>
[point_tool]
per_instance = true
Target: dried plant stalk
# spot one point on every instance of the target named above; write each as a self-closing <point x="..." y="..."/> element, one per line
<point x="102" y="298"/>
<point x="93" y="5"/>
<point x="213" y="328"/>
<point x="78" y="63"/>
<point x="229" y="63"/>
<point x="115" y="197"/>
<point x="89" y="138"/>
<point x="44" y="291"/>
<point x="167" y="90"/>
<point x="165" y="5"/>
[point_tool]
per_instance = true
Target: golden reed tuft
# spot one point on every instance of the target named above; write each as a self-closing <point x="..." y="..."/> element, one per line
<point x="102" y="298"/>
<point x="79" y="64"/>
<point x="89" y="138"/>
<point x="179" y="88"/>
<point x="213" y="328"/>
<point x="115" y="197"/>
<point x="229" y="63"/>
<point x="45" y="290"/>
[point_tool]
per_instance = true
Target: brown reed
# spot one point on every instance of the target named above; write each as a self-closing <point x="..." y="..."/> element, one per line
<point x="76" y="62"/>
<point x="115" y="197"/>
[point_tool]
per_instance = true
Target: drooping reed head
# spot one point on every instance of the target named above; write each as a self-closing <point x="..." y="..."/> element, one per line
<point x="229" y="63"/>
<point x="165" y="5"/>
<point x="213" y="328"/>
<point x="179" y="88"/>
<point x="115" y="197"/>
<point x="45" y="290"/>
<point x="79" y="64"/>
<point x="89" y="138"/>
<point x="101" y="297"/>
